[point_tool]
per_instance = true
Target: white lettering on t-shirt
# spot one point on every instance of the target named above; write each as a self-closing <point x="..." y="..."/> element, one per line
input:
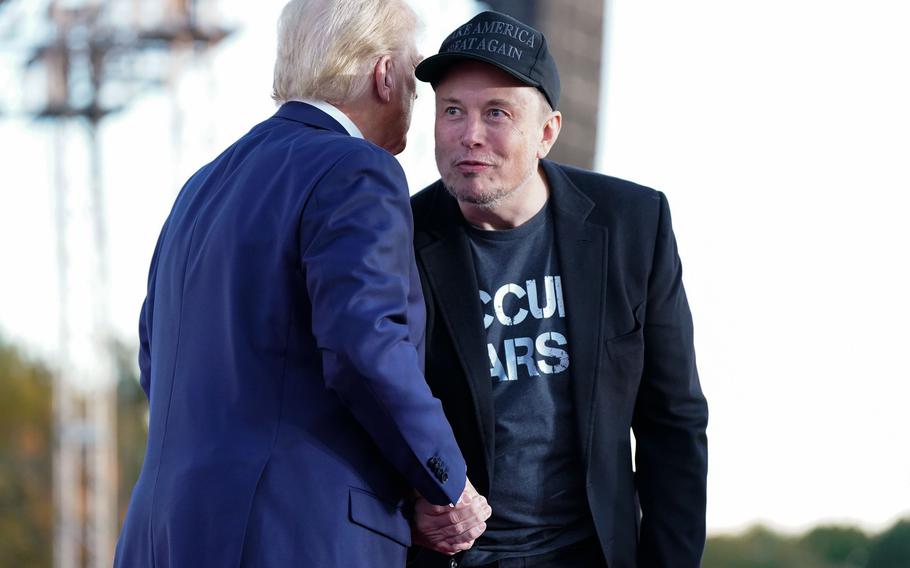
<point x="546" y="354"/>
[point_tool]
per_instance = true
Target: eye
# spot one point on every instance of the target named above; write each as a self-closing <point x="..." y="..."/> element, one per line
<point x="497" y="113"/>
<point x="452" y="111"/>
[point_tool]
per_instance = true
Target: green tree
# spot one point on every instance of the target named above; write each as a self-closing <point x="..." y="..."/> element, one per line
<point x="26" y="503"/>
<point x="759" y="547"/>
<point x="846" y="547"/>
<point x="892" y="548"/>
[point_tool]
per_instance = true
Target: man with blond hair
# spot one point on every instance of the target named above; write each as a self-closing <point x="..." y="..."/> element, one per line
<point x="282" y="332"/>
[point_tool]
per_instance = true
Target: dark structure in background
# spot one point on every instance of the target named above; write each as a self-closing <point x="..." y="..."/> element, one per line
<point x="574" y="30"/>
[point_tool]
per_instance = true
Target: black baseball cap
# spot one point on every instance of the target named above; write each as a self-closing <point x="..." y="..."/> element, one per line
<point x="501" y="41"/>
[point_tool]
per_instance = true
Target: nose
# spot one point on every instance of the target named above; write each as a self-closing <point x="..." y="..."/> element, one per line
<point x="473" y="134"/>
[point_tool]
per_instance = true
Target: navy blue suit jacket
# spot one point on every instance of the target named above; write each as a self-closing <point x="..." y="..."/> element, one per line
<point x="281" y="352"/>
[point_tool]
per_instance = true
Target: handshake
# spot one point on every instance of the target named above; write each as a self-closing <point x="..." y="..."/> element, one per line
<point x="449" y="529"/>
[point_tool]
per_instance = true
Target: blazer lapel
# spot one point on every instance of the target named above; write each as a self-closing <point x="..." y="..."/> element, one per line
<point x="449" y="268"/>
<point x="582" y="249"/>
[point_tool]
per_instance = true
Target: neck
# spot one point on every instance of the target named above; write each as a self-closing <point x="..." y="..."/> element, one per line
<point x="373" y="120"/>
<point x="358" y="117"/>
<point x="513" y="210"/>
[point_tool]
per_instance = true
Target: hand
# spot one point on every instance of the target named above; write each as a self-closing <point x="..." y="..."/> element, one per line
<point x="449" y="529"/>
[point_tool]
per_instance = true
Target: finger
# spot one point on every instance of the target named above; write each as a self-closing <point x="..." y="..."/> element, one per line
<point x="436" y="531"/>
<point x="452" y="549"/>
<point x="452" y="515"/>
<point x="466" y="539"/>
<point x="424" y="507"/>
<point x="468" y="528"/>
<point x="456" y="533"/>
<point x="469" y="491"/>
<point x="458" y="526"/>
<point x="471" y="514"/>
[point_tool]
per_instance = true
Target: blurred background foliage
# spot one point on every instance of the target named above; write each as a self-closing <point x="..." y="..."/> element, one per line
<point x="821" y="547"/>
<point x="26" y="447"/>
<point x="26" y="499"/>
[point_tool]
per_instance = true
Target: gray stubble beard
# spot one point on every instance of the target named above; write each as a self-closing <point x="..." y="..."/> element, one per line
<point x="486" y="201"/>
<point x="490" y="200"/>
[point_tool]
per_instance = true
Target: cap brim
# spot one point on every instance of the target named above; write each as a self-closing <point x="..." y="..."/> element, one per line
<point x="432" y="69"/>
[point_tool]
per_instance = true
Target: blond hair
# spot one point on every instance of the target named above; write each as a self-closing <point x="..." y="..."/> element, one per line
<point x="327" y="48"/>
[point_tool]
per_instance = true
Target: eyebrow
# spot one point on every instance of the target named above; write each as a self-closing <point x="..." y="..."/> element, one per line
<point x="491" y="102"/>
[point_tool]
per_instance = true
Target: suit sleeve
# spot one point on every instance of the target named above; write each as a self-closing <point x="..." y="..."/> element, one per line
<point x="670" y="419"/>
<point x="357" y="253"/>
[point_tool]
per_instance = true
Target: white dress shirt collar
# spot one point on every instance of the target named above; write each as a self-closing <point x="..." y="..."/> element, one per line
<point x="339" y="116"/>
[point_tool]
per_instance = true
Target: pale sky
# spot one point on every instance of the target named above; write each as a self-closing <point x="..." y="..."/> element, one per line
<point x="780" y="131"/>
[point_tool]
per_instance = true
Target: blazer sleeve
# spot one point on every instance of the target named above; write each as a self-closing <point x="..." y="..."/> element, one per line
<point x="670" y="419"/>
<point x="357" y="253"/>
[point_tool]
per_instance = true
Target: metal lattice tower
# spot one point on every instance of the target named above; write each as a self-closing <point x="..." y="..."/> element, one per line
<point x="86" y="48"/>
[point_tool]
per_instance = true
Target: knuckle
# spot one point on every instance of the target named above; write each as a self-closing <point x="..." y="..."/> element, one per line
<point x="465" y="545"/>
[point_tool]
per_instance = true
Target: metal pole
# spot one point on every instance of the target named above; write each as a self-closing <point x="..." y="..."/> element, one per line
<point x="67" y="456"/>
<point x="100" y="405"/>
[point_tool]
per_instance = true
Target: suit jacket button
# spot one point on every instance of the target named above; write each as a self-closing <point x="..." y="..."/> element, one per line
<point x="453" y="563"/>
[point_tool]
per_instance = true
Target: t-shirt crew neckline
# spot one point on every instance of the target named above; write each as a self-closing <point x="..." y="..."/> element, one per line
<point x="527" y="228"/>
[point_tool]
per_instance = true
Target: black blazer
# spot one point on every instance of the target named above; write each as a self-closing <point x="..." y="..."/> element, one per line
<point x="633" y="361"/>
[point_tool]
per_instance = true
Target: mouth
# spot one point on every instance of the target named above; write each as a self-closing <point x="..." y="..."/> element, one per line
<point x="472" y="166"/>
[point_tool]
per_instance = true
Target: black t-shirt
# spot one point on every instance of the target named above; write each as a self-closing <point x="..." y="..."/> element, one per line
<point x="537" y="495"/>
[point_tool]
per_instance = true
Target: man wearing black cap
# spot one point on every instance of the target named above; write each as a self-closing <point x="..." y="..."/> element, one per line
<point x="557" y="322"/>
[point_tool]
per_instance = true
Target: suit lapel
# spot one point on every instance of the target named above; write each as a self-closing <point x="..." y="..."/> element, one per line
<point x="449" y="268"/>
<point x="582" y="249"/>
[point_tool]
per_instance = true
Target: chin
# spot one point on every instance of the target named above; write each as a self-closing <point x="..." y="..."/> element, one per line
<point x="483" y="198"/>
<point x="398" y="148"/>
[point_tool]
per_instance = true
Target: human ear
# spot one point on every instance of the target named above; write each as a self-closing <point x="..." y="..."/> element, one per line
<point x="549" y="134"/>
<point x="384" y="78"/>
